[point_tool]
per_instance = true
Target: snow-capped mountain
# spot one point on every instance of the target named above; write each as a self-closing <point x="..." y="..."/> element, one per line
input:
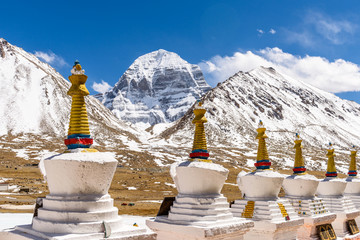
<point x="34" y="99"/>
<point x="285" y="105"/>
<point x="158" y="87"/>
<point x="34" y="109"/>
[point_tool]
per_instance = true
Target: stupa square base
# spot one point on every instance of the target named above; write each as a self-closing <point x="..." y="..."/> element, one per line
<point x="26" y="232"/>
<point x="356" y="200"/>
<point x="266" y="230"/>
<point x="309" y="231"/>
<point x="340" y="224"/>
<point x="233" y="229"/>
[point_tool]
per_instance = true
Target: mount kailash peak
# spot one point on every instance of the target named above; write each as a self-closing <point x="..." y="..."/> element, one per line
<point x="158" y="87"/>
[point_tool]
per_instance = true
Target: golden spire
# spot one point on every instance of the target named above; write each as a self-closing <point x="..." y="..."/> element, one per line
<point x="199" y="151"/>
<point x="352" y="168"/>
<point x="78" y="133"/>
<point x="299" y="165"/>
<point x="262" y="159"/>
<point x="331" y="169"/>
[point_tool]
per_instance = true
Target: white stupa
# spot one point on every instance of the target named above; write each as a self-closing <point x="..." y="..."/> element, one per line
<point x="200" y="211"/>
<point x="274" y="218"/>
<point x="352" y="189"/>
<point x="331" y="190"/>
<point x="78" y="206"/>
<point x="300" y="189"/>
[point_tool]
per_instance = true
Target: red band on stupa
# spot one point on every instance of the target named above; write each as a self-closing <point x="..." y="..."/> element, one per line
<point x="84" y="141"/>
<point x="258" y="164"/>
<point x="199" y="154"/>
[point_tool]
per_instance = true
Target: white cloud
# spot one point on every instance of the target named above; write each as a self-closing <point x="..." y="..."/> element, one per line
<point x="101" y="87"/>
<point x="305" y="38"/>
<point x="336" y="31"/>
<point x="51" y="58"/>
<point x="272" y="31"/>
<point x="332" y="76"/>
<point x="317" y="29"/>
<point x="260" y="31"/>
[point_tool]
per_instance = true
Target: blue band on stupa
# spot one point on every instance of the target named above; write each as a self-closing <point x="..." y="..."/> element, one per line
<point x="78" y="136"/>
<point x="199" y="150"/>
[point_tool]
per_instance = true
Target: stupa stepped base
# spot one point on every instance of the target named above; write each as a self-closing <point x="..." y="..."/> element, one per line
<point x="308" y="207"/>
<point x="269" y="218"/>
<point x="338" y="204"/>
<point x="200" y="211"/>
<point x="314" y="212"/>
<point x="76" y="214"/>
<point x="199" y="217"/>
<point x="263" y="209"/>
<point x="78" y="217"/>
<point x="355" y="199"/>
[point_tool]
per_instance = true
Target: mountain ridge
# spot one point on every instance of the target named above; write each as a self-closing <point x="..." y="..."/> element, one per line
<point x="286" y="106"/>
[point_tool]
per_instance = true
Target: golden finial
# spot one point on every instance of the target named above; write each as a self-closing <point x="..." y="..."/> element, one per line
<point x="331" y="169"/>
<point x="199" y="151"/>
<point x="352" y="168"/>
<point x="78" y="133"/>
<point x="262" y="159"/>
<point x="299" y="165"/>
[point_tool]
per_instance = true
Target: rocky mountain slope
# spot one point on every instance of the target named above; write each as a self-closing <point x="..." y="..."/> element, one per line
<point x="34" y="101"/>
<point x="158" y="87"/>
<point x="286" y="106"/>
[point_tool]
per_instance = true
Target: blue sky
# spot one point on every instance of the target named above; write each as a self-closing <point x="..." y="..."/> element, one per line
<point x="315" y="41"/>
